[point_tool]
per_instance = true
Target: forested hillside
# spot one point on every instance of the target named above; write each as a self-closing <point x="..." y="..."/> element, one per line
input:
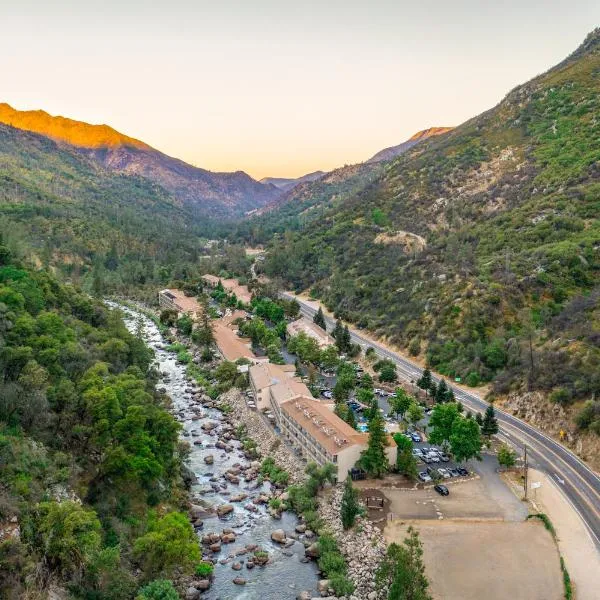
<point x="95" y="226"/>
<point x="90" y="478"/>
<point x="479" y="249"/>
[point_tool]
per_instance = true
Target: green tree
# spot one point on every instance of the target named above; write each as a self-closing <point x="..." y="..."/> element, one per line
<point x="507" y="457"/>
<point x="424" y="382"/>
<point x="405" y="460"/>
<point x="66" y="534"/>
<point x="170" y="544"/>
<point x="489" y="425"/>
<point x="373" y="459"/>
<point x="443" y="393"/>
<point x="402" y="571"/>
<point x="414" y="413"/>
<point x="365" y="396"/>
<point x="329" y="357"/>
<point x="401" y="402"/>
<point x="388" y="374"/>
<point x="185" y="325"/>
<point x="226" y="372"/>
<point x="159" y="589"/>
<point x="319" y="319"/>
<point x="350" y="507"/>
<point x="168" y="317"/>
<point x="441" y="421"/>
<point x="465" y="439"/>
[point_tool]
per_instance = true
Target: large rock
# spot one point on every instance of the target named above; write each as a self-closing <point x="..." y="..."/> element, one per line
<point x="239" y="581"/>
<point x="312" y="551"/>
<point x="192" y="594"/>
<point x="279" y="536"/>
<point x="209" y="459"/>
<point x="224" y="509"/>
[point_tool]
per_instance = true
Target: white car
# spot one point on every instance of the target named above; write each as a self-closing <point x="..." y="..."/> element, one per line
<point x="444" y="473"/>
<point x="417" y="452"/>
<point x="433" y="458"/>
<point x="424" y="477"/>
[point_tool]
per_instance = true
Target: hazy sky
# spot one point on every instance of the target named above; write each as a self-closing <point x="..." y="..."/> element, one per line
<point x="276" y="87"/>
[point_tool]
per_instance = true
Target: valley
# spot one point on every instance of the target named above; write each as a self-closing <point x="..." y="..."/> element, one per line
<point x="372" y="381"/>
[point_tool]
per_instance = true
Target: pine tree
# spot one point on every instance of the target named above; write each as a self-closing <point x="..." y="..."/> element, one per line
<point x="350" y="418"/>
<point x="489" y="425"/>
<point x="441" y="393"/>
<point x="424" y="382"/>
<point x="350" y="507"/>
<point x="319" y="319"/>
<point x="338" y="335"/>
<point x="346" y="340"/>
<point x="374" y="460"/>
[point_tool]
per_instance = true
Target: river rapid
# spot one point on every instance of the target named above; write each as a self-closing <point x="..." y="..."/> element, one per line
<point x="287" y="573"/>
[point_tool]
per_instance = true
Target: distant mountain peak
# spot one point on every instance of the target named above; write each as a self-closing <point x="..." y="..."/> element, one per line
<point x="393" y="151"/>
<point x="287" y="183"/>
<point x="62" y="129"/>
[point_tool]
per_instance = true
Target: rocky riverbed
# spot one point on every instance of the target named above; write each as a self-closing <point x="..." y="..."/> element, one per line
<point x="257" y="553"/>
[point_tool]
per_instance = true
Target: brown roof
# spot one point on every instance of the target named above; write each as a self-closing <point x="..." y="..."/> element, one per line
<point x="333" y="433"/>
<point x="311" y="329"/>
<point x="288" y="389"/>
<point x="230" y="345"/>
<point x="266" y="374"/>
<point x="181" y="301"/>
<point x="241" y="291"/>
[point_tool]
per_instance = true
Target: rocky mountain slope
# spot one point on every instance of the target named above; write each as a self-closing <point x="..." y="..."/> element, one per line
<point x="286" y="183"/>
<point x="308" y="200"/>
<point x="204" y="192"/>
<point x="393" y="151"/>
<point x="503" y="284"/>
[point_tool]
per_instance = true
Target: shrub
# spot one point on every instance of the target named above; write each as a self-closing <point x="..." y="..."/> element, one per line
<point x="473" y="379"/>
<point x="561" y="396"/>
<point x="159" y="589"/>
<point x="204" y="569"/>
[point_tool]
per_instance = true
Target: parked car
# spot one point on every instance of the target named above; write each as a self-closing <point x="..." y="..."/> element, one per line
<point x="417" y="452"/>
<point x="416" y="437"/>
<point x="328" y="395"/>
<point x="425" y="458"/>
<point x="424" y="477"/>
<point x="444" y="457"/>
<point x="434" y="458"/>
<point x="454" y="472"/>
<point x="462" y="471"/>
<point x="442" y="490"/>
<point x="444" y="473"/>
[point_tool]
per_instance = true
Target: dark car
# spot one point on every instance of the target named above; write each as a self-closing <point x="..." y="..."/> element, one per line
<point x="454" y="473"/>
<point x="442" y="490"/>
<point x="462" y="471"/>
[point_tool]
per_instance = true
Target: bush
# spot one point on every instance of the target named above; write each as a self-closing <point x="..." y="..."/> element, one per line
<point x="159" y="589"/>
<point x="473" y="379"/>
<point x="204" y="569"/>
<point x="561" y="396"/>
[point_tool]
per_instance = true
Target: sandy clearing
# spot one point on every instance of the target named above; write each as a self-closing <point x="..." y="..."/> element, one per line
<point x="579" y="552"/>
<point x="486" y="560"/>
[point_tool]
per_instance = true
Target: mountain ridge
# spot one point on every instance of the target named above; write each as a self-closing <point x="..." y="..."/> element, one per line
<point x="393" y="151"/>
<point x="205" y="192"/>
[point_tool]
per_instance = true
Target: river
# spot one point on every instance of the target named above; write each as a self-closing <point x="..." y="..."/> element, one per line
<point x="287" y="574"/>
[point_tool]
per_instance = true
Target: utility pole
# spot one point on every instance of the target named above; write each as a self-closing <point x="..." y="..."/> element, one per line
<point x="525" y="473"/>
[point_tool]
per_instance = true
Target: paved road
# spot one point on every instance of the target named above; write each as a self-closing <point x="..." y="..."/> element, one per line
<point x="580" y="484"/>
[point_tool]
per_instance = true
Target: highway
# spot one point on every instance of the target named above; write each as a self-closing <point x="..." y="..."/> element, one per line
<point x="580" y="485"/>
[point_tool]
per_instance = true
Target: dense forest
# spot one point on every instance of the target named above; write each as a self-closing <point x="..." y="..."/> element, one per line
<point x="107" y="231"/>
<point x="90" y="466"/>
<point x="477" y="249"/>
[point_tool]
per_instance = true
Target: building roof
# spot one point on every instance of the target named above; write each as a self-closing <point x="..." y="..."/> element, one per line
<point x="266" y="374"/>
<point x="288" y="389"/>
<point x="231" y="346"/>
<point x="332" y="433"/>
<point x="183" y="302"/>
<point x="212" y="279"/>
<point x="311" y="329"/>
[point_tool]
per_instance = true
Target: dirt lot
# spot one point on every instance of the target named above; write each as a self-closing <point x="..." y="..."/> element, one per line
<point x="521" y="564"/>
<point x="472" y="499"/>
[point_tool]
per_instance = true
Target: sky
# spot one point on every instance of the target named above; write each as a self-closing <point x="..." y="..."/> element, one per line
<point x="278" y="88"/>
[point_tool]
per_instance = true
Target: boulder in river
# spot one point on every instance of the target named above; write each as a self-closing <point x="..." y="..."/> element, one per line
<point x="279" y="536"/>
<point x="239" y="581"/>
<point x="224" y="509"/>
<point x="209" y="459"/>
